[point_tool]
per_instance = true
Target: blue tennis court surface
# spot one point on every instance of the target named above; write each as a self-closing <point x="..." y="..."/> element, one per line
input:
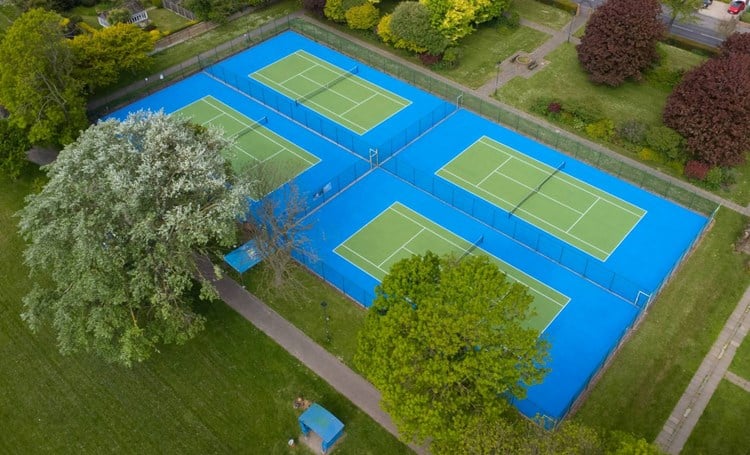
<point x="541" y="214"/>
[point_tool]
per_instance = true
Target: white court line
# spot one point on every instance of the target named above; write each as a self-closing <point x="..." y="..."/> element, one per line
<point x="403" y="246"/>
<point x="553" y="228"/>
<point x="567" y="231"/>
<point x="330" y="66"/>
<point x="492" y="172"/>
<point x="545" y="167"/>
<point x="460" y="247"/>
<point x="264" y="132"/>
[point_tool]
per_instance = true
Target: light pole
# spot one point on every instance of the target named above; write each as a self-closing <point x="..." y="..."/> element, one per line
<point x="324" y="305"/>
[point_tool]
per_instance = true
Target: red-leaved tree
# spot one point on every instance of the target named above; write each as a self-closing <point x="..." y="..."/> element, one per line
<point x="736" y="43"/>
<point x="710" y="108"/>
<point x="620" y="40"/>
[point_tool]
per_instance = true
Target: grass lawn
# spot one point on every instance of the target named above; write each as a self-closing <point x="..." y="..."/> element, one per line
<point x="564" y="79"/>
<point x="652" y="370"/>
<point x="722" y="428"/>
<point x="485" y="48"/>
<point x="543" y="14"/>
<point x="230" y="390"/>
<point x="166" y="21"/>
<point x="741" y="362"/>
<point x="303" y="309"/>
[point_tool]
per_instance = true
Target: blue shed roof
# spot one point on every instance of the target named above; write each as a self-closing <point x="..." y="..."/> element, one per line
<point x="323" y="423"/>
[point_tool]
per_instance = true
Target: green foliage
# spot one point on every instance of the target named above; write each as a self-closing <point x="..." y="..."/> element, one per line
<point x="445" y="343"/>
<point x="115" y="234"/>
<point x="334" y="10"/>
<point x="633" y="131"/>
<point x="510" y="19"/>
<point x="118" y="16"/>
<point x="217" y="10"/>
<point x="455" y="19"/>
<point x="451" y="57"/>
<point x="667" y="142"/>
<point x="648" y="154"/>
<point x="684" y="10"/>
<point x="13" y="147"/>
<point x="48" y="106"/>
<point x="603" y="129"/>
<point x="664" y="75"/>
<point x="109" y="52"/>
<point x="410" y="23"/>
<point x="363" y="17"/>
<point x="714" y="178"/>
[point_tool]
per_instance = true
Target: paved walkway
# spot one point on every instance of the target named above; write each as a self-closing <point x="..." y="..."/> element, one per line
<point x="737" y="380"/>
<point x="714" y="367"/>
<point x="333" y="371"/>
<point x="510" y="69"/>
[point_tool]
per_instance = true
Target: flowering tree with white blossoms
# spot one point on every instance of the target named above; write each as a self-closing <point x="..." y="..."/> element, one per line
<point x="114" y="236"/>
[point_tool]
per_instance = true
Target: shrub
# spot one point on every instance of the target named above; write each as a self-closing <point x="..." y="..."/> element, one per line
<point x="603" y="129"/>
<point x="666" y="141"/>
<point x="584" y="111"/>
<point x="314" y="6"/>
<point x="647" y="154"/>
<point x="451" y="57"/>
<point x="157" y="3"/>
<point x="633" y="131"/>
<point x="118" y="16"/>
<point x="428" y="59"/>
<point x="411" y="24"/>
<point x="363" y="17"/>
<point x="334" y="10"/>
<point x="696" y="170"/>
<point x="729" y="176"/>
<point x="713" y="178"/>
<point x="554" y="107"/>
<point x="13" y="146"/>
<point x="509" y="19"/>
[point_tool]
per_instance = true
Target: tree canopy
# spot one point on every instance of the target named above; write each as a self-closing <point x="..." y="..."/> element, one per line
<point x="455" y="19"/>
<point x="38" y="83"/>
<point x="445" y="344"/>
<point x="410" y="23"/>
<point x="106" y="53"/>
<point x="620" y="40"/>
<point x="113" y="237"/>
<point x="708" y="109"/>
<point x="684" y="10"/>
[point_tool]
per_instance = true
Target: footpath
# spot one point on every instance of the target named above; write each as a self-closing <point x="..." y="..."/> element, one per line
<point x="684" y="417"/>
<point x="348" y="383"/>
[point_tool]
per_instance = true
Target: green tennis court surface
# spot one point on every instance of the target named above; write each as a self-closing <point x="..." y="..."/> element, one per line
<point x="570" y="209"/>
<point x="336" y="93"/>
<point x="252" y="142"/>
<point x="400" y="232"/>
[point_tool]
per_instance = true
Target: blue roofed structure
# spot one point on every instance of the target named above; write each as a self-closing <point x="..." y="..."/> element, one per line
<point x="318" y="420"/>
<point x="243" y="258"/>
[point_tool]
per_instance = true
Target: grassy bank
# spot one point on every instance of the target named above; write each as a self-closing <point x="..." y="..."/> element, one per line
<point x="722" y="428"/>
<point x="651" y="372"/>
<point x="230" y="390"/>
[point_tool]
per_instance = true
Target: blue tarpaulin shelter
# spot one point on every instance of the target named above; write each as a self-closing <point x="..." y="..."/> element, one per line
<point x="323" y="423"/>
<point x="243" y="258"/>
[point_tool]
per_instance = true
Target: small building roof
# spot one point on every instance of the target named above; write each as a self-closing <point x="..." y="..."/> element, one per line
<point x="323" y="423"/>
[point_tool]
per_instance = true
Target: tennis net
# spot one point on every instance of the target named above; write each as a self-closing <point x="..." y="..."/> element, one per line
<point x="327" y="85"/>
<point x="253" y="126"/>
<point x="536" y="188"/>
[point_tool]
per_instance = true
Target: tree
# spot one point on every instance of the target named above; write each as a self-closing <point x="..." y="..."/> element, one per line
<point x="736" y="43"/>
<point x="363" y="17"/>
<point x="455" y="19"/>
<point x="13" y="147"/>
<point x="314" y="6"/>
<point x="38" y="83"/>
<point x="444" y="342"/>
<point x="115" y="234"/>
<point x="275" y="221"/>
<point x="620" y="40"/>
<point x="684" y="10"/>
<point x="109" y="52"/>
<point x="710" y="115"/>
<point x="410" y="23"/>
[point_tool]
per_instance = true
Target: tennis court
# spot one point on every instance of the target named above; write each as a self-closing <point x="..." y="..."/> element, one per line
<point x="399" y="232"/>
<point x="333" y="92"/>
<point x="580" y="214"/>
<point x="253" y="143"/>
